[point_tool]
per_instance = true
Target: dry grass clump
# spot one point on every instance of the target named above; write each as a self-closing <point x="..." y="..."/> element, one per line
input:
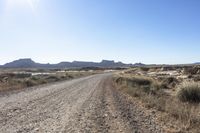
<point x="5" y="76"/>
<point x="137" y="85"/>
<point x="187" y="114"/>
<point x="169" y="82"/>
<point x="146" y="69"/>
<point x="138" y="81"/>
<point x="147" y="89"/>
<point x="189" y="92"/>
<point x="152" y="94"/>
<point x="154" y="101"/>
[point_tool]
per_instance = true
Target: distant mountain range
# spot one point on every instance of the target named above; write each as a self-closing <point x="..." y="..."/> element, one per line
<point x="29" y="63"/>
<point x="197" y="63"/>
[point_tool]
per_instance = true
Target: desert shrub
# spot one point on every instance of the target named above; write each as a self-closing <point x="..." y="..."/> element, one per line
<point x="155" y="85"/>
<point x="189" y="92"/>
<point x="8" y="75"/>
<point x="178" y="110"/>
<point x="191" y="70"/>
<point x="29" y="83"/>
<point x="15" y="75"/>
<point x="168" y="68"/>
<point x="144" y="69"/>
<point x="34" y="78"/>
<point x="131" y="71"/>
<point x="169" y="82"/>
<point x="118" y="79"/>
<point x="153" y="101"/>
<point x="195" y="77"/>
<point x="42" y="81"/>
<point x="22" y="75"/>
<point x="62" y="77"/>
<point x="53" y="78"/>
<point x="69" y="76"/>
<point x="187" y="113"/>
<point x="135" y="92"/>
<point x="138" y="85"/>
<point x="138" y="81"/>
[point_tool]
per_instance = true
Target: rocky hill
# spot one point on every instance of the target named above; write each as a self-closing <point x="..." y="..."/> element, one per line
<point x="29" y="63"/>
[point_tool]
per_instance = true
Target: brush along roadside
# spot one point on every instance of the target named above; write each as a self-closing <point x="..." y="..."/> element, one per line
<point x="16" y="81"/>
<point x="181" y="109"/>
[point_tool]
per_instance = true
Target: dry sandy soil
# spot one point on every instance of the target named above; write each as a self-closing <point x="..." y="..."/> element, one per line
<point x="89" y="104"/>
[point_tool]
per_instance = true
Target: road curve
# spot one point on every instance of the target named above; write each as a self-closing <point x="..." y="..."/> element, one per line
<point x="85" y="105"/>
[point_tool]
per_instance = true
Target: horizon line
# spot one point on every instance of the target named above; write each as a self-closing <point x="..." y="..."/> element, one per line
<point x="99" y="62"/>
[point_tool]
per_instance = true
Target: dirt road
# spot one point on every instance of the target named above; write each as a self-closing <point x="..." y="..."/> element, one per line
<point x="84" y="105"/>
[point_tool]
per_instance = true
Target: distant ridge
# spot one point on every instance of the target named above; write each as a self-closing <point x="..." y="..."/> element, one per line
<point x="29" y="63"/>
<point x="197" y="63"/>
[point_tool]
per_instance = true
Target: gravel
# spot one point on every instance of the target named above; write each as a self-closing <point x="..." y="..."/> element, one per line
<point x="85" y="105"/>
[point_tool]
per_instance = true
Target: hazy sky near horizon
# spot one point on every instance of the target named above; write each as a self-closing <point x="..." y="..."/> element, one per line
<point x="148" y="31"/>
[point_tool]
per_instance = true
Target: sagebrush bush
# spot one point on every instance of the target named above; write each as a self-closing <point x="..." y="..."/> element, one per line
<point x="189" y="92"/>
<point x="139" y="81"/>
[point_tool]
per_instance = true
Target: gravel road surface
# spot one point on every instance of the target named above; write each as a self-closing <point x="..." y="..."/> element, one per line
<point x="86" y="105"/>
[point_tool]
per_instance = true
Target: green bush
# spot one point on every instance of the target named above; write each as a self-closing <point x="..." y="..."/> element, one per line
<point x="189" y="92"/>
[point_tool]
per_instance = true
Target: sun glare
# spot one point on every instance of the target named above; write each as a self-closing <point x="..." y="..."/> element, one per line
<point x="32" y="4"/>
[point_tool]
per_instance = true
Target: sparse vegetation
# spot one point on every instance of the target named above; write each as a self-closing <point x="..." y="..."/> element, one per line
<point x="189" y="92"/>
<point x="137" y="85"/>
<point x="15" y="80"/>
<point x="169" y="82"/>
<point x="164" y="93"/>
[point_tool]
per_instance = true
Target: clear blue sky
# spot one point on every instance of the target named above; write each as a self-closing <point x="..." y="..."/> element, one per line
<point x="148" y="31"/>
